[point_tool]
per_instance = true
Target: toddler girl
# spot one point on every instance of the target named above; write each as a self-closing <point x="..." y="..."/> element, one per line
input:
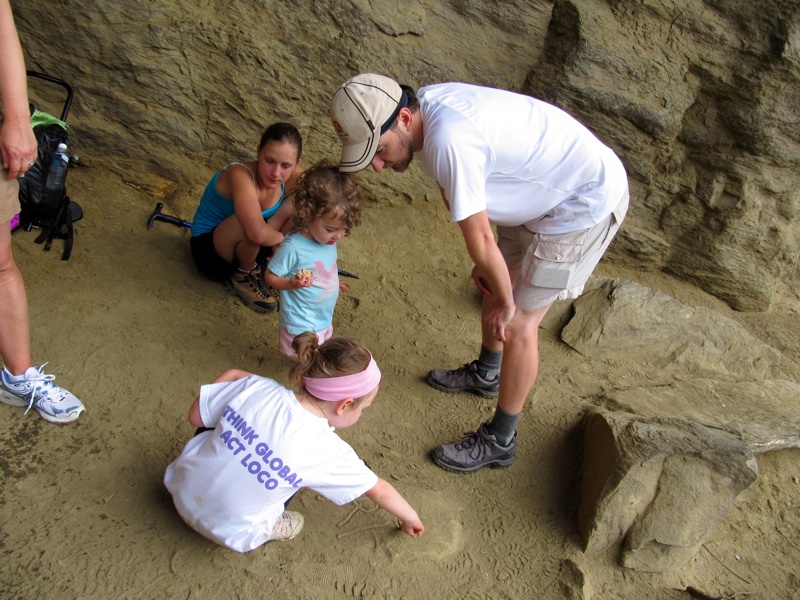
<point x="327" y="205"/>
<point x="231" y="483"/>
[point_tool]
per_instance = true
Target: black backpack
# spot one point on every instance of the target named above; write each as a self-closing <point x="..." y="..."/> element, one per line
<point x="52" y="211"/>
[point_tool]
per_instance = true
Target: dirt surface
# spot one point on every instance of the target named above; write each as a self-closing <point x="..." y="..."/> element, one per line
<point x="130" y="327"/>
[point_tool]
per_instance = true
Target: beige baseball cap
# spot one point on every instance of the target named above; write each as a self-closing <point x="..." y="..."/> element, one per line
<point x="363" y="108"/>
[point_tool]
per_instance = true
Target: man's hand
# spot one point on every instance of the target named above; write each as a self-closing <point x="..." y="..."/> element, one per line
<point x="480" y="281"/>
<point x="496" y="317"/>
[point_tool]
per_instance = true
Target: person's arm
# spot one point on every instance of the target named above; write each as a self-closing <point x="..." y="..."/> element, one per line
<point x="194" y="412"/>
<point x="284" y="261"/>
<point x="283" y="284"/>
<point x="283" y="219"/>
<point x="490" y="273"/>
<point x="239" y="182"/>
<point x="17" y="142"/>
<point x="389" y="499"/>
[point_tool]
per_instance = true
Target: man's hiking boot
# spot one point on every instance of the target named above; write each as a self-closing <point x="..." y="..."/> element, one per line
<point x="464" y="379"/>
<point x="475" y="451"/>
<point x="251" y="292"/>
<point x="54" y="404"/>
<point x="288" y="526"/>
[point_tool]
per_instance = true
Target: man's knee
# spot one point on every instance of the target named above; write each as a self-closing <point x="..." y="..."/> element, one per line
<point x="525" y="323"/>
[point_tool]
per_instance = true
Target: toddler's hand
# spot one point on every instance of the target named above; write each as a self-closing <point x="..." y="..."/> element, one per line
<point x="413" y="529"/>
<point x="303" y="278"/>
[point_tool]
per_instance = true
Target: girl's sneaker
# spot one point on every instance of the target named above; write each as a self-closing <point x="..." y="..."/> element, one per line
<point x="288" y="526"/>
<point x="37" y="390"/>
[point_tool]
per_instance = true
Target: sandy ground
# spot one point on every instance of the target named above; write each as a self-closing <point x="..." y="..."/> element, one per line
<point x="132" y="329"/>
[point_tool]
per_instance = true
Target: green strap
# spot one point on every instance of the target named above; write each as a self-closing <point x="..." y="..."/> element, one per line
<point x="42" y="118"/>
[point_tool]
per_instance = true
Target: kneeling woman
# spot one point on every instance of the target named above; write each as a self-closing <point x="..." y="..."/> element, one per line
<point x="244" y="212"/>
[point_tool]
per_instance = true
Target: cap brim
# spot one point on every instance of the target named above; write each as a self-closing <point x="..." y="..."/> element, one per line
<point x="357" y="157"/>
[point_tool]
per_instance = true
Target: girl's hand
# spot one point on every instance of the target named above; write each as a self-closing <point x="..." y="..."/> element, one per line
<point x="303" y="278"/>
<point x="344" y="286"/>
<point x="413" y="528"/>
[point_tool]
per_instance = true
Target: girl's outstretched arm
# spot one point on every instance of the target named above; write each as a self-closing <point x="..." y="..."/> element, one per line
<point x="389" y="499"/>
<point x="194" y="411"/>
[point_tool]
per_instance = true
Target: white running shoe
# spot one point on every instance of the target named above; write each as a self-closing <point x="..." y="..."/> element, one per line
<point x="288" y="526"/>
<point x="37" y="390"/>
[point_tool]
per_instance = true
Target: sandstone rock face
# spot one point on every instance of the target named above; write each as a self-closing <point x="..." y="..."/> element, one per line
<point x="698" y="98"/>
<point x="618" y="319"/>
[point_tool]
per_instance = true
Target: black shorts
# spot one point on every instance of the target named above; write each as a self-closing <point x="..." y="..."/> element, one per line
<point x="212" y="264"/>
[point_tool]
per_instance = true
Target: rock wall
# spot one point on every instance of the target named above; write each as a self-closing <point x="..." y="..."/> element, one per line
<point x="700" y="99"/>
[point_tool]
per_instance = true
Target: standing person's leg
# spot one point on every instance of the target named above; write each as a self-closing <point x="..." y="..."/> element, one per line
<point x="481" y="376"/>
<point x="14" y="328"/>
<point x="494" y="443"/>
<point x="572" y="258"/>
<point x="520" y="359"/>
<point x="20" y="383"/>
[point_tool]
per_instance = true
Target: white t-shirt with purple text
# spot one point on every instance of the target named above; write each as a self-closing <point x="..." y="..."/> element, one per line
<point x="230" y="484"/>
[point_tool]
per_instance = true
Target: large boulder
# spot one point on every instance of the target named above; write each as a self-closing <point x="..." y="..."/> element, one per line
<point x="663" y="465"/>
<point x="660" y="484"/>
<point x="617" y="319"/>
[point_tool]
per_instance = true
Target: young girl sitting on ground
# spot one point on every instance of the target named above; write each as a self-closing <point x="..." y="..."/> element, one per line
<point x="245" y="210"/>
<point x="327" y="205"/>
<point x="232" y="483"/>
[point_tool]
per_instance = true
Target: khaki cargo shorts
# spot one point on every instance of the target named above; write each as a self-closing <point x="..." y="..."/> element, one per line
<point x="556" y="266"/>
<point x="9" y="197"/>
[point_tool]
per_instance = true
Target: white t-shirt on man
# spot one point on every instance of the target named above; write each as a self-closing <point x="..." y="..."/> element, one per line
<point x="230" y="484"/>
<point x="522" y="160"/>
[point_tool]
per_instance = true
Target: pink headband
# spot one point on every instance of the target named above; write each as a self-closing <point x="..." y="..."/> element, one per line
<point x="334" y="389"/>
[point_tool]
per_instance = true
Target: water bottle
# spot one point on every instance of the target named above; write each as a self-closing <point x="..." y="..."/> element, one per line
<point x="57" y="174"/>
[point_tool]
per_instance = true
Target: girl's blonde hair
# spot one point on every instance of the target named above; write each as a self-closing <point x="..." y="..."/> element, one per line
<point x="336" y="357"/>
<point x="324" y="189"/>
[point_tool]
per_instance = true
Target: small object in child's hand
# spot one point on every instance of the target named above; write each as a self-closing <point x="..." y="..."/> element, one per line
<point x="305" y="274"/>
